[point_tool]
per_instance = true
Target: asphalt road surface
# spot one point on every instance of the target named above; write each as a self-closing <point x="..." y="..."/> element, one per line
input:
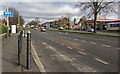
<point x="69" y="52"/>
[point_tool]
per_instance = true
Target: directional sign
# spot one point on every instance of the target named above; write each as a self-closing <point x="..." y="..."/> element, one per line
<point x="8" y="14"/>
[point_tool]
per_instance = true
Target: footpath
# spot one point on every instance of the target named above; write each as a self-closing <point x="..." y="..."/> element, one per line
<point x="10" y="56"/>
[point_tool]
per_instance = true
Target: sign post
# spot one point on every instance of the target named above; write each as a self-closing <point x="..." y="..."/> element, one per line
<point x="8" y="14"/>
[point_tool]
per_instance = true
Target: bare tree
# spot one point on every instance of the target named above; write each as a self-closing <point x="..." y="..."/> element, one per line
<point x="95" y="8"/>
<point x="14" y="19"/>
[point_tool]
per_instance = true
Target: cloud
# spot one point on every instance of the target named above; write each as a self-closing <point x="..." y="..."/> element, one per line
<point x="47" y="11"/>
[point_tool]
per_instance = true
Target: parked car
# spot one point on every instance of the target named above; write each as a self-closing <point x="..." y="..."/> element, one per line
<point x="43" y="29"/>
<point x="60" y="28"/>
<point x="90" y="30"/>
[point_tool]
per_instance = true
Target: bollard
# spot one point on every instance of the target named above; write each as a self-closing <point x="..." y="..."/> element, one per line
<point x="19" y="47"/>
<point x="28" y="61"/>
<point x="18" y="50"/>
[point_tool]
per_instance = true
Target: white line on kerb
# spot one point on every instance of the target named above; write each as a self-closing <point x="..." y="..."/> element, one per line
<point x="92" y="42"/>
<point x="106" y="45"/>
<point x="82" y="53"/>
<point x="69" y="47"/>
<point x="101" y="61"/>
<point x="44" y="43"/>
<point x="83" y="41"/>
<point x="37" y="60"/>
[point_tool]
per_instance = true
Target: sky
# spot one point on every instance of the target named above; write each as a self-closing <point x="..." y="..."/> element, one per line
<point x="46" y="11"/>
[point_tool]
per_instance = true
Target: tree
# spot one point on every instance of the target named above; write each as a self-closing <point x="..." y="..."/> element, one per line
<point x="14" y="19"/>
<point x="95" y="8"/>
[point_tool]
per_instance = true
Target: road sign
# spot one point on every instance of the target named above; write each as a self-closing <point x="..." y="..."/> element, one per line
<point x="8" y="14"/>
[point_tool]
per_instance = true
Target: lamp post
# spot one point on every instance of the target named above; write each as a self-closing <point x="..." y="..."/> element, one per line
<point x="8" y="35"/>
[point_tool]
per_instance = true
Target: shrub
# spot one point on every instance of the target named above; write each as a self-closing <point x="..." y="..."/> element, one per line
<point x="3" y="29"/>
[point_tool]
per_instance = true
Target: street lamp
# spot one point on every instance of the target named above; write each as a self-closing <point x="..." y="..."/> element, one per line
<point x="7" y="5"/>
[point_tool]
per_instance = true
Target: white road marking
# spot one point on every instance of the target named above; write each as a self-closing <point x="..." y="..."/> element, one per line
<point x="64" y="57"/>
<point x="75" y="39"/>
<point x="83" y="41"/>
<point x="73" y="58"/>
<point x="82" y="53"/>
<point x="106" y="45"/>
<point x="92" y="42"/>
<point x="69" y="38"/>
<point x="101" y="61"/>
<point x="57" y="42"/>
<point x="44" y="43"/>
<point x="65" y="37"/>
<point x="60" y="33"/>
<point x="118" y="48"/>
<point x="69" y="47"/>
<point x="37" y="60"/>
<point x="81" y="49"/>
<point x="50" y="47"/>
<point x="62" y="44"/>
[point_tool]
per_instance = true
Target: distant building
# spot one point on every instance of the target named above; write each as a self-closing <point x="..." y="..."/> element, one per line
<point x="105" y="23"/>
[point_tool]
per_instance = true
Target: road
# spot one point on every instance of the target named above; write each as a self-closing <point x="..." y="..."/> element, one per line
<point x="69" y="52"/>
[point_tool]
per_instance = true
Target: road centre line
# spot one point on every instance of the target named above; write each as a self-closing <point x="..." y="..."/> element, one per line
<point x="82" y="53"/>
<point x="92" y="42"/>
<point x="106" y="45"/>
<point x="101" y="61"/>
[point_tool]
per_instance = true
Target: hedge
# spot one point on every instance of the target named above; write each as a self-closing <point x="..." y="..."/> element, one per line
<point x="3" y="29"/>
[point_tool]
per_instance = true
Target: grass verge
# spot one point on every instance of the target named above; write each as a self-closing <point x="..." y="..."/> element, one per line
<point x="89" y="33"/>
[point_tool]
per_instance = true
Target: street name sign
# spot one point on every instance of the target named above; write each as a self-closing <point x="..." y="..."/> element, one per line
<point x="8" y="14"/>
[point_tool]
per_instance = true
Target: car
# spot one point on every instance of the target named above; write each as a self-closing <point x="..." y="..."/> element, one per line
<point x="60" y="28"/>
<point x="43" y="30"/>
<point x="90" y="30"/>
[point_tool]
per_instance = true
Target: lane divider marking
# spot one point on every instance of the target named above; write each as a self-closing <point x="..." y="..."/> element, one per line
<point x="92" y="42"/>
<point x="44" y="43"/>
<point x="69" y="47"/>
<point x="82" y="53"/>
<point x="83" y="41"/>
<point x="101" y="61"/>
<point x="106" y="45"/>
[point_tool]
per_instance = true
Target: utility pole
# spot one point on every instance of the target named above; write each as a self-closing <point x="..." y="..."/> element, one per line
<point x="8" y="35"/>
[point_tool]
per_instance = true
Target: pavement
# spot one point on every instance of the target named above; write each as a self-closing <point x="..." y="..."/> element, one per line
<point x="71" y="52"/>
<point x="10" y="56"/>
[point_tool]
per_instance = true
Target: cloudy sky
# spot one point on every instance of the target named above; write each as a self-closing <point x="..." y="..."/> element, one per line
<point x="47" y="11"/>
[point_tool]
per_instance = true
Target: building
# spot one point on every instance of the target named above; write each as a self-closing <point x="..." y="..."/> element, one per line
<point x="104" y="23"/>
